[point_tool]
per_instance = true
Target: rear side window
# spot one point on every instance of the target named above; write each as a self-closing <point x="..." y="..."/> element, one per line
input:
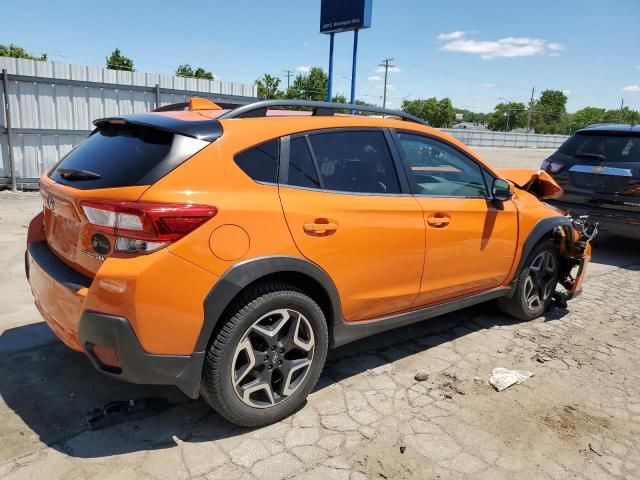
<point x="123" y="156"/>
<point x="302" y="171"/>
<point x="608" y="148"/>
<point x="355" y="161"/>
<point x="260" y="162"/>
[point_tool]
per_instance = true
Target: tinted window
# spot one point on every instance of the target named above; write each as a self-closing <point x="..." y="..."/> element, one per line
<point x="355" y="161"/>
<point x="124" y="155"/>
<point x="260" y="162"/>
<point x="302" y="171"/>
<point x="610" y="148"/>
<point x="440" y="170"/>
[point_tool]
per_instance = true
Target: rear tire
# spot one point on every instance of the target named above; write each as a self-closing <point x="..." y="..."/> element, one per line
<point x="535" y="285"/>
<point x="267" y="357"/>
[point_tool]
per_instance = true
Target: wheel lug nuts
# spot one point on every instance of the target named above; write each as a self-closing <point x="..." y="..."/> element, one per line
<point x="266" y="358"/>
<point x="282" y="350"/>
<point x="273" y="348"/>
<point x="279" y="362"/>
<point x="270" y="367"/>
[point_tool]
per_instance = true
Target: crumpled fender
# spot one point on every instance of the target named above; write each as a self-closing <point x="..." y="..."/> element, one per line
<point x="536" y="182"/>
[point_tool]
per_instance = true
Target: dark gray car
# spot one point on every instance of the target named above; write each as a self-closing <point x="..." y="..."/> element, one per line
<point x="599" y="169"/>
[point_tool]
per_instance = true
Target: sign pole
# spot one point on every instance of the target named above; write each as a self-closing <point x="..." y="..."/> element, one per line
<point x="329" y="88"/>
<point x="353" y="67"/>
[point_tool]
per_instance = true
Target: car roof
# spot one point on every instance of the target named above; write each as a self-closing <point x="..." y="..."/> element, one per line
<point x="610" y="127"/>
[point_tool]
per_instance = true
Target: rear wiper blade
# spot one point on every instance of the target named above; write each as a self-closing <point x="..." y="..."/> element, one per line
<point x="75" y="174"/>
<point x="595" y="156"/>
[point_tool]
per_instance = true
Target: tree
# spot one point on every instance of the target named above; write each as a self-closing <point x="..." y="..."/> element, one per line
<point x="187" y="71"/>
<point x="15" y="51"/>
<point x="439" y="113"/>
<point x="474" y="117"/>
<point x="312" y="86"/>
<point x="339" y="98"/>
<point x="268" y="87"/>
<point x="117" y="61"/>
<point x="549" y="112"/>
<point x="586" y="116"/>
<point x="507" y="116"/>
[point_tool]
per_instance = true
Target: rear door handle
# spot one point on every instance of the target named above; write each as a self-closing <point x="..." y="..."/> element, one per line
<point x="439" y="220"/>
<point x="320" y="226"/>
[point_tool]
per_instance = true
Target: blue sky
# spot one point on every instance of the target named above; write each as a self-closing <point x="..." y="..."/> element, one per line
<point x="476" y="53"/>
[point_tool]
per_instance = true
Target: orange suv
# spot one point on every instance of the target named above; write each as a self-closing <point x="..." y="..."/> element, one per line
<point x="224" y="251"/>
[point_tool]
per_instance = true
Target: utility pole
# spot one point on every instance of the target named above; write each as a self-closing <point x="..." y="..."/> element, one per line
<point x="386" y="64"/>
<point x="533" y="90"/>
<point x="289" y="75"/>
<point x="621" y="109"/>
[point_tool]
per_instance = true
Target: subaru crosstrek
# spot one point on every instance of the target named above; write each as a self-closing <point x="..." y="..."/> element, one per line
<point x="224" y="251"/>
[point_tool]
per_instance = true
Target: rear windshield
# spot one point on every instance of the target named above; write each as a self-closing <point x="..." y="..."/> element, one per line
<point x="123" y="156"/>
<point x="609" y="148"/>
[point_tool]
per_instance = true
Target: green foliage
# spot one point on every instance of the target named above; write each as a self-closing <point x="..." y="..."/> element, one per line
<point x="187" y="71"/>
<point x="312" y="86"/>
<point x="550" y="112"/>
<point x="507" y="116"/>
<point x="117" y="61"/>
<point x="339" y="98"/>
<point x="15" y="51"/>
<point x="439" y="113"/>
<point x="474" y="117"/>
<point x="268" y="87"/>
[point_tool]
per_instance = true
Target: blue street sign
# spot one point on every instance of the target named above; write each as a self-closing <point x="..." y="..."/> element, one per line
<point x="344" y="15"/>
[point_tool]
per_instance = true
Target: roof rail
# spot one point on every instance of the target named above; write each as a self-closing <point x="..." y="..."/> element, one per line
<point x="259" y="109"/>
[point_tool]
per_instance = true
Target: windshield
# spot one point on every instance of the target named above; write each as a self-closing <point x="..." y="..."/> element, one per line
<point x="609" y="148"/>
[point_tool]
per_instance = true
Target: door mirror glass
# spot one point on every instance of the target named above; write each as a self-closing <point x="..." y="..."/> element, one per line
<point x="501" y="190"/>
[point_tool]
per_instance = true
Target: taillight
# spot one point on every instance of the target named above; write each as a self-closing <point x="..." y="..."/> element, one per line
<point x="553" y="166"/>
<point x="145" y="227"/>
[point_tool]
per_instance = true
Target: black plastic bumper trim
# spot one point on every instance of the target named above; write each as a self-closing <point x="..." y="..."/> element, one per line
<point x="56" y="268"/>
<point x="138" y="366"/>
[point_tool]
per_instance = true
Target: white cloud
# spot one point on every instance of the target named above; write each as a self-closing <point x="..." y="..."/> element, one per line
<point x="389" y="87"/>
<point x="380" y="69"/>
<point x="566" y="92"/>
<point x="631" y="88"/>
<point x="489" y="85"/>
<point x="446" y="37"/>
<point x="303" y="69"/>
<point x="503" y="47"/>
<point x="374" y="78"/>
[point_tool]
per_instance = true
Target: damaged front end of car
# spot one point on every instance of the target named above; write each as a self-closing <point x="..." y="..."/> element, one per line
<point x="575" y="254"/>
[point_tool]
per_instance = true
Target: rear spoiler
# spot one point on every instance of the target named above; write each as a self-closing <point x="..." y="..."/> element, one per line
<point x="195" y="126"/>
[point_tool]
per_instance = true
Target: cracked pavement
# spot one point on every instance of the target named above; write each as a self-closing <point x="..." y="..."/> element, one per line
<point x="577" y="417"/>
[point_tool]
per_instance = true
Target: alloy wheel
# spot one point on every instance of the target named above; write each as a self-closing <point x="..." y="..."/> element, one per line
<point x="540" y="281"/>
<point x="272" y="358"/>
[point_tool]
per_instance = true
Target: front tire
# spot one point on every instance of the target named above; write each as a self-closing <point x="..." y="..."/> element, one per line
<point x="267" y="357"/>
<point x="535" y="285"/>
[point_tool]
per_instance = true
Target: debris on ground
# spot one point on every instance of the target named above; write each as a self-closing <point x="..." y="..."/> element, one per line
<point x="122" y="411"/>
<point x="421" y="376"/>
<point x="502" y="378"/>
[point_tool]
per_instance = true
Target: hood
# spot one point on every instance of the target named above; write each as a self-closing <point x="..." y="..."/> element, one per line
<point x="536" y="182"/>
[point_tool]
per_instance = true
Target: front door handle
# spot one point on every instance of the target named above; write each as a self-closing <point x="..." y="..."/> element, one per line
<point x="439" y="220"/>
<point x="320" y="227"/>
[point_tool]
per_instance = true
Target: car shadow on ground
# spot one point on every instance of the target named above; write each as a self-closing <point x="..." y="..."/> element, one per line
<point x="48" y="389"/>
<point x="613" y="251"/>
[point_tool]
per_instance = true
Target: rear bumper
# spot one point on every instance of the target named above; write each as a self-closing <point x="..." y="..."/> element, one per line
<point x="136" y="365"/>
<point x="625" y="224"/>
<point x="60" y="293"/>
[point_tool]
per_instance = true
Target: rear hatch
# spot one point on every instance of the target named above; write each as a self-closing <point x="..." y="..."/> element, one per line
<point x="90" y="198"/>
<point x="599" y="168"/>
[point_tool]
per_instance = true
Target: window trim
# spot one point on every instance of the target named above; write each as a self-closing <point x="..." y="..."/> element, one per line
<point x="407" y="168"/>
<point x="403" y="182"/>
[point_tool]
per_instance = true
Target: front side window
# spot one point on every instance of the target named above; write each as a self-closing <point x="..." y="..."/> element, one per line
<point x="355" y="161"/>
<point x="436" y="169"/>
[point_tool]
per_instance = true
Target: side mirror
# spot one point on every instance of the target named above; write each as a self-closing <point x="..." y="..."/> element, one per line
<point x="501" y="190"/>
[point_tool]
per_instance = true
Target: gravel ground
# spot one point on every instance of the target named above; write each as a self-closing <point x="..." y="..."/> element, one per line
<point x="577" y="417"/>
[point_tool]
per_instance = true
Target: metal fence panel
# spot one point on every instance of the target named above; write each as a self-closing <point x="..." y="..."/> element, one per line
<point x="487" y="138"/>
<point x="63" y="100"/>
